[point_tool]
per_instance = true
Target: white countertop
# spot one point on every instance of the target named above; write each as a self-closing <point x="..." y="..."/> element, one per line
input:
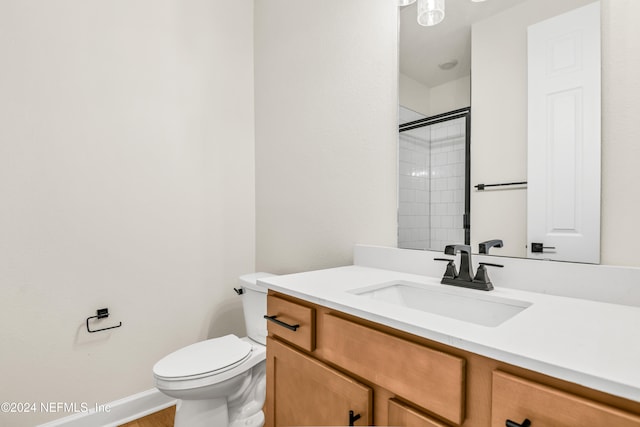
<point x="590" y="343"/>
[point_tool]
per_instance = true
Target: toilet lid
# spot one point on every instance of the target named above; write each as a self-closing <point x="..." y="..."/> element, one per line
<point x="203" y="357"/>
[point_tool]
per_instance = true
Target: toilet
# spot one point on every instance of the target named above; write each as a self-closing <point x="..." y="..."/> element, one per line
<point x="221" y="382"/>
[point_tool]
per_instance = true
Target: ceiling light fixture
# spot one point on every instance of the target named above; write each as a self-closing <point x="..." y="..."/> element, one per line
<point x="430" y="12"/>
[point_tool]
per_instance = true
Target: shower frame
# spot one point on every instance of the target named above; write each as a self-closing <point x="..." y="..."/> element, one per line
<point x="439" y="118"/>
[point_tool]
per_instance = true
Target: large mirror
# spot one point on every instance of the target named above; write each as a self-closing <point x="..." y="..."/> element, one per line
<point x="477" y="57"/>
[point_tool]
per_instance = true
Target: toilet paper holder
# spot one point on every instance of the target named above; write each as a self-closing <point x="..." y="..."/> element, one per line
<point x="101" y="313"/>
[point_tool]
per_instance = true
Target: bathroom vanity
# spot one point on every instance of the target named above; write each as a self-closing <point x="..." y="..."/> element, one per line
<point x="338" y="355"/>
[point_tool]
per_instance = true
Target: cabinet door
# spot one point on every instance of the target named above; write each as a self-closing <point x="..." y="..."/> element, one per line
<point x="517" y="399"/>
<point x="401" y="415"/>
<point x="302" y="391"/>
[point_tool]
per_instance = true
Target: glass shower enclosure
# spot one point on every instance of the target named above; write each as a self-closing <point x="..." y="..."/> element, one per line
<point x="433" y="181"/>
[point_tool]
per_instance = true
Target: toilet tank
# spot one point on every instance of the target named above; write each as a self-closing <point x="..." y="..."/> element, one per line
<point x="254" y="305"/>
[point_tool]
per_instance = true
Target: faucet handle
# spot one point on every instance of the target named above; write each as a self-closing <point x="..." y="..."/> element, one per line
<point x="450" y="272"/>
<point x="490" y="264"/>
<point x="482" y="276"/>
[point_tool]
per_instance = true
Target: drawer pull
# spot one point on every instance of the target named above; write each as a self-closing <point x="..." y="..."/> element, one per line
<point x="525" y="423"/>
<point x="353" y="418"/>
<point x="281" y="323"/>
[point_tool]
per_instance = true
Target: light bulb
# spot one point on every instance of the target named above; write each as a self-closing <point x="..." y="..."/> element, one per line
<point x="430" y="12"/>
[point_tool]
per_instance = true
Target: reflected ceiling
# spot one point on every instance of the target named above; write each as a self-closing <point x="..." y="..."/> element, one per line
<point x="423" y="48"/>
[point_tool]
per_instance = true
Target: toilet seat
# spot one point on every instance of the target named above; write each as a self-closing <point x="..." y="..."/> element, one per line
<point x="203" y="359"/>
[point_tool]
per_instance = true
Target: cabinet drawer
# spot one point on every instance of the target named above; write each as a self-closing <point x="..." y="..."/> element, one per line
<point x="401" y="415"/>
<point x="429" y="378"/>
<point x="299" y="317"/>
<point x="517" y="399"/>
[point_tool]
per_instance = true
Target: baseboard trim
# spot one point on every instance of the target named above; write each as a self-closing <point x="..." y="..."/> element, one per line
<point x="120" y="411"/>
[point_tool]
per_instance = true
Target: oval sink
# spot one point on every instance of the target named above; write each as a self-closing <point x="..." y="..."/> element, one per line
<point x="463" y="304"/>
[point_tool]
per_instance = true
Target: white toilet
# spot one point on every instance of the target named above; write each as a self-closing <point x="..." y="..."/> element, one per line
<point x="221" y="382"/>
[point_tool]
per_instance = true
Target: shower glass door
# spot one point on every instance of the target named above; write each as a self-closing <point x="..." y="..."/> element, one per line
<point x="434" y="193"/>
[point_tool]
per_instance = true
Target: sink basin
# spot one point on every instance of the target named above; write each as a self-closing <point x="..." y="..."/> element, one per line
<point x="468" y="305"/>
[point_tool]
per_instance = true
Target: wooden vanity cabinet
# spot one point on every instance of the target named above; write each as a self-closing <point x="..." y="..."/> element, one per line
<point x="517" y="399"/>
<point x="335" y="364"/>
<point x="428" y="378"/>
<point x="325" y="369"/>
<point x="292" y="322"/>
<point x="400" y="414"/>
<point x="303" y="391"/>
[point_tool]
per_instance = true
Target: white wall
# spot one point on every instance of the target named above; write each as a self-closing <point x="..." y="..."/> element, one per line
<point x="439" y="99"/>
<point x="414" y="95"/>
<point x="620" y="132"/>
<point x="499" y="121"/>
<point x="326" y="130"/>
<point x="450" y="96"/>
<point x="127" y="182"/>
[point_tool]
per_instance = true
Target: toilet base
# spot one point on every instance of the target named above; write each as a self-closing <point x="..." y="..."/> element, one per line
<point x="243" y="408"/>
<point x="202" y="413"/>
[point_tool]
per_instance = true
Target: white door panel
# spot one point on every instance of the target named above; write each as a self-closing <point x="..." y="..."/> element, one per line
<point x="564" y="136"/>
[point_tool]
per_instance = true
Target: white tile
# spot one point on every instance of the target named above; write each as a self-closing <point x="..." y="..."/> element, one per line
<point x="454" y="235"/>
<point x="405" y="168"/>
<point x="452" y="157"/>
<point x="407" y="195"/>
<point x="452" y="183"/>
<point x="440" y="159"/>
<point x="458" y="170"/>
<point x="440" y="184"/>
<point x="421" y="208"/>
<point x="447" y="196"/>
<point x="404" y="154"/>
<point x="442" y="208"/>
<point x="447" y="222"/>
<point x="455" y="130"/>
<point x="441" y="234"/>
<point x="404" y="182"/>
<point x="404" y="221"/>
<point x="404" y="207"/>
<point x="413" y="183"/>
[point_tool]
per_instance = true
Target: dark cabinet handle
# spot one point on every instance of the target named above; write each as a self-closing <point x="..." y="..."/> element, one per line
<point x="525" y="423"/>
<point x="353" y="418"/>
<point x="281" y="323"/>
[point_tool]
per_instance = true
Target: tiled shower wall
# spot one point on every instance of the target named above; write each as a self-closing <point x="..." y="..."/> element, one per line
<point x="413" y="209"/>
<point x="431" y="185"/>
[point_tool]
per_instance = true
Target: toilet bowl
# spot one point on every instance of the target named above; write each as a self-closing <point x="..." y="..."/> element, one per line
<point x="221" y="382"/>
